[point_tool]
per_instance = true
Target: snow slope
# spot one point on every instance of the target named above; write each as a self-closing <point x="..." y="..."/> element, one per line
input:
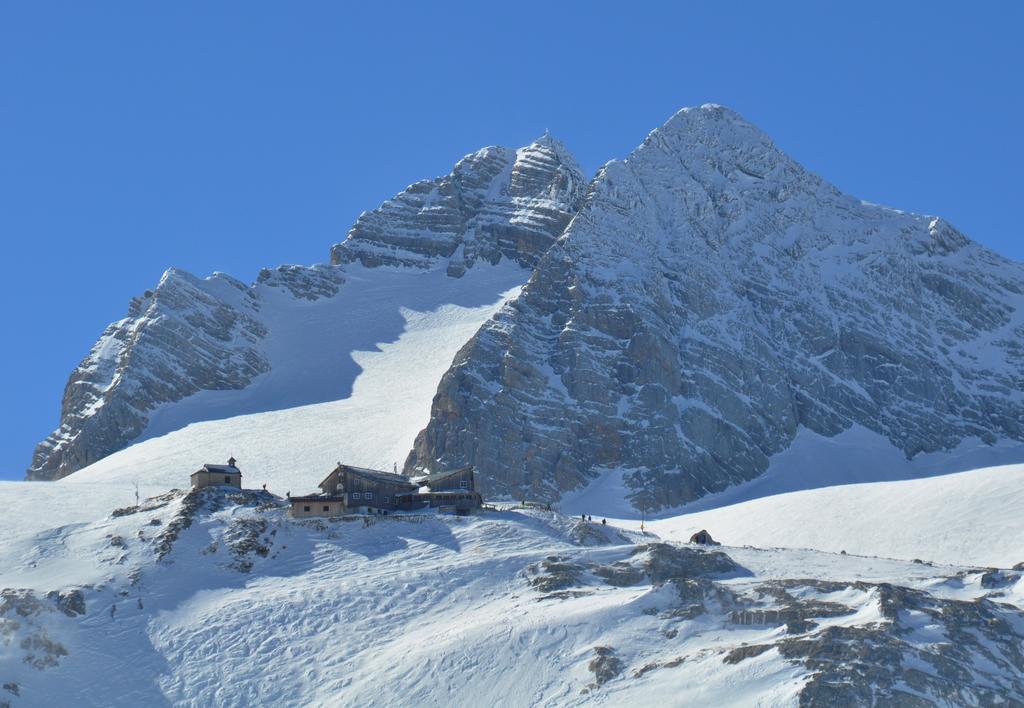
<point x="316" y="349"/>
<point x="216" y="599"/>
<point x="294" y="449"/>
<point x="970" y="518"/>
<point x="812" y="461"/>
<point x="854" y="492"/>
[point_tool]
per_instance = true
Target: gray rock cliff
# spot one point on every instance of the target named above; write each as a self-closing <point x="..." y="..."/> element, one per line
<point x="187" y="335"/>
<point x="712" y="297"/>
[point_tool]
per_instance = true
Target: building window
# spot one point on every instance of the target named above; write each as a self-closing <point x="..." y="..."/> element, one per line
<point x="305" y="508"/>
<point x="326" y="508"/>
<point x="367" y="495"/>
<point x="227" y="479"/>
<point x="464" y="484"/>
<point x="355" y="495"/>
<point x="386" y="500"/>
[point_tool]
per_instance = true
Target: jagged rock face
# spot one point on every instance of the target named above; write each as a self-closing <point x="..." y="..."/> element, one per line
<point x="496" y="202"/>
<point x="710" y="298"/>
<point x="187" y="335"/>
<point x="192" y="335"/>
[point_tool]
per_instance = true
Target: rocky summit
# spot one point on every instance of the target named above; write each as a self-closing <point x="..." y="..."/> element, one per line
<point x="496" y="203"/>
<point x="709" y="299"/>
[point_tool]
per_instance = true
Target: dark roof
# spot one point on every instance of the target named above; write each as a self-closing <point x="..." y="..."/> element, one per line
<point x="375" y="475"/>
<point x="316" y="498"/>
<point x="432" y="479"/>
<point x="220" y="469"/>
<point x="379" y="476"/>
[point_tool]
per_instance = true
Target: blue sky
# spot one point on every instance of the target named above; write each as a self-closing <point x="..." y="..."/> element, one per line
<point x="233" y="136"/>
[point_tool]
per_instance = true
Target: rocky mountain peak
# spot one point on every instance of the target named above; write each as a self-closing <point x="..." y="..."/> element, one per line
<point x="497" y="202"/>
<point x="556" y="150"/>
<point x="712" y="297"/>
<point x="714" y="139"/>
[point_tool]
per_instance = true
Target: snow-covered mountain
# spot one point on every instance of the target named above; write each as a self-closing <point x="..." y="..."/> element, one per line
<point x="199" y="349"/>
<point x="711" y="299"/>
<point x="831" y="388"/>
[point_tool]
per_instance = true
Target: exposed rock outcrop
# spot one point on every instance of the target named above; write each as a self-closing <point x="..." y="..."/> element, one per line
<point x="187" y="335"/>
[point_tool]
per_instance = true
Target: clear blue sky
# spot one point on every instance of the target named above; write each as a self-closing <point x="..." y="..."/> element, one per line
<point x="232" y="136"/>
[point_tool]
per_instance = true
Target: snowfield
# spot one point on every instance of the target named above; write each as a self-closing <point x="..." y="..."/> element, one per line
<point x="974" y="517"/>
<point x="395" y="320"/>
<point x="219" y="598"/>
<point x="393" y="377"/>
<point x="858" y="493"/>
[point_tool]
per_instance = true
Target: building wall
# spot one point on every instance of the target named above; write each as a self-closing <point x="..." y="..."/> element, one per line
<point x="317" y="508"/>
<point x="454" y="482"/>
<point x="209" y="479"/>
<point x="355" y="487"/>
<point x="383" y="493"/>
<point x="331" y="483"/>
<point x="461" y="500"/>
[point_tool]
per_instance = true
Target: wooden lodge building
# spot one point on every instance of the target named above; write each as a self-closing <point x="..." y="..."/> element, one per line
<point x="357" y="490"/>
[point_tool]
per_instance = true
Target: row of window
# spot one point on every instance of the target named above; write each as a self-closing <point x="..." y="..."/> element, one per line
<point x="464" y="484"/>
<point x="368" y="496"/>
